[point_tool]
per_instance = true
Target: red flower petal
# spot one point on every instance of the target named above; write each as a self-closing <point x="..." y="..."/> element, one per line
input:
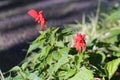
<point x="33" y="13"/>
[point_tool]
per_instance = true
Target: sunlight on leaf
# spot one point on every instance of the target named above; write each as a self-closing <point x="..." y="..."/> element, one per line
<point x="83" y="74"/>
<point x="111" y="67"/>
<point x="16" y="68"/>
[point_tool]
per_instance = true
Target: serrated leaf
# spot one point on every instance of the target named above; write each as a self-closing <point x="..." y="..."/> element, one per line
<point x="111" y="67"/>
<point x="83" y="74"/>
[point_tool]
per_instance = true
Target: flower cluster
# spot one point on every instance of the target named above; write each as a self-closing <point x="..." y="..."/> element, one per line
<point x="80" y="42"/>
<point x="39" y="17"/>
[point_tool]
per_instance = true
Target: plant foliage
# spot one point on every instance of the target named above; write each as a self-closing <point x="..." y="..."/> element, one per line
<point x="51" y="57"/>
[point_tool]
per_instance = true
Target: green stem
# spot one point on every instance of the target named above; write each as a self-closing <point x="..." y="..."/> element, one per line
<point x="80" y="57"/>
<point x="2" y="77"/>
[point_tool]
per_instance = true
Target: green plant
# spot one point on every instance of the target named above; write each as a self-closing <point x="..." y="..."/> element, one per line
<point x="54" y="59"/>
<point x="51" y="57"/>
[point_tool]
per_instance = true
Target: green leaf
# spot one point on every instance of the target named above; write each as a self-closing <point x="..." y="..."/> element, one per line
<point x="33" y="76"/>
<point x="9" y="78"/>
<point x="69" y="73"/>
<point x="78" y="60"/>
<point x="60" y="44"/>
<point x="116" y="54"/>
<point x="113" y="17"/>
<point x="64" y="51"/>
<point x="36" y="58"/>
<point x="61" y="58"/>
<point x="61" y="62"/>
<point x="64" y="33"/>
<point x="47" y="49"/>
<point x="52" y="35"/>
<point x="103" y="56"/>
<point x="111" y="67"/>
<point x="112" y="35"/>
<point x="38" y="42"/>
<point x="24" y="65"/>
<point x="16" y="68"/>
<point x="33" y="47"/>
<point x="18" y="77"/>
<point x="49" y="59"/>
<point x="83" y="74"/>
<point x="56" y="55"/>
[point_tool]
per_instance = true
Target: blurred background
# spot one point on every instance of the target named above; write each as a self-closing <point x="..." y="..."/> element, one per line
<point x="18" y="29"/>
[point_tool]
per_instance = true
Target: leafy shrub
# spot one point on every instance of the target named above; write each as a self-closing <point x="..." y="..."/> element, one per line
<point x="51" y="57"/>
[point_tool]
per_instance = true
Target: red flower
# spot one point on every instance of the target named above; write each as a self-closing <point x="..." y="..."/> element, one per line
<point x="80" y="42"/>
<point x="39" y="17"/>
